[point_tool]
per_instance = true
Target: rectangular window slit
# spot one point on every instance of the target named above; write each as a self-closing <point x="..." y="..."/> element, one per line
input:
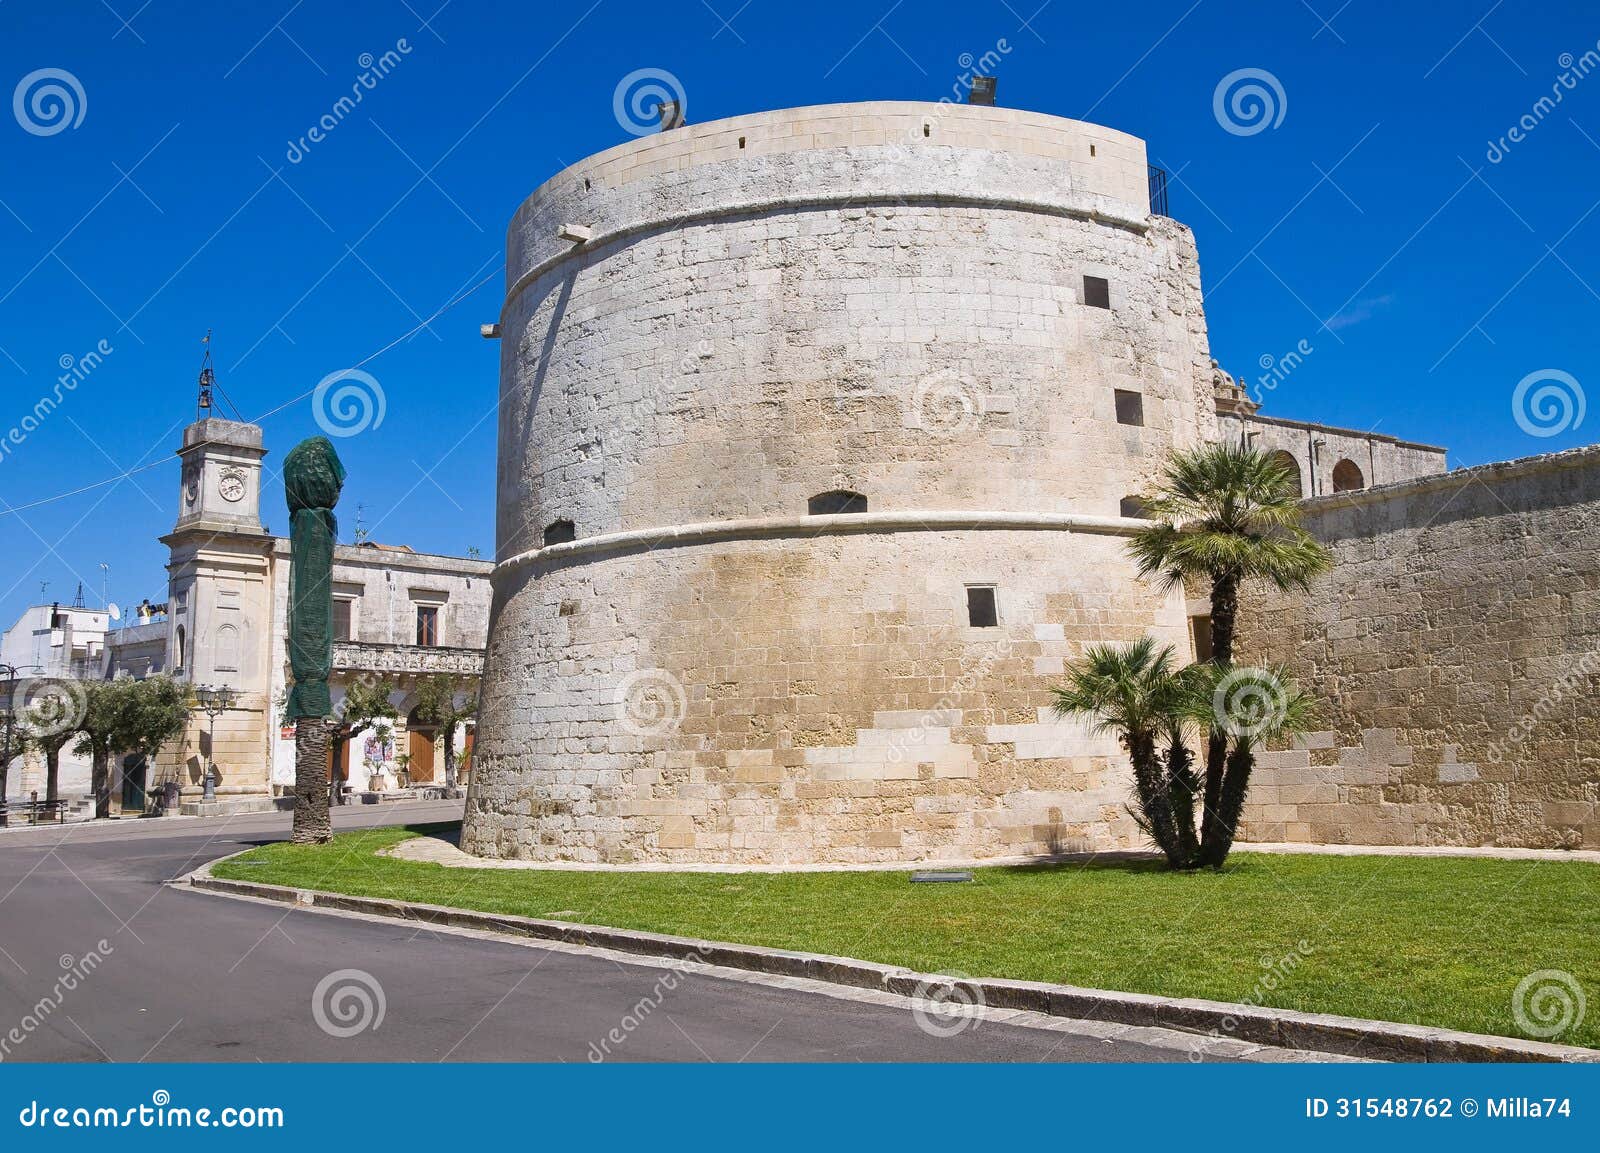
<point x="1097" y="292"/>
<point x="982" y="612"/>
<point x="1130" y="407"/>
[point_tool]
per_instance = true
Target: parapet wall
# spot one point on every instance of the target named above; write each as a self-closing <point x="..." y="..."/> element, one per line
<point x="1455" y="653"/>
<point x="1319" y="450"/>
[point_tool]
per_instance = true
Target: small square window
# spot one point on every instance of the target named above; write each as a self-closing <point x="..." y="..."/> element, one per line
<point x="1130" y="407"/>
<point x="561" y="531"/>
<point x="982" y="612"/>
<point x="1097" y="292"/>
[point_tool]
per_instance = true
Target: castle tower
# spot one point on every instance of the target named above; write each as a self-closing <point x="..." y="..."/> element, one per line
<point x="817" y="429"/>
<point x="219" y="608"/>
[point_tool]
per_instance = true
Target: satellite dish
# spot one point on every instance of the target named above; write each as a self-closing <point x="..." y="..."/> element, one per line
<point x="113" y="611"/>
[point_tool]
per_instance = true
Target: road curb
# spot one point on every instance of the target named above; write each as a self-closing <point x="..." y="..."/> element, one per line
<point x="1280" y="1028"/>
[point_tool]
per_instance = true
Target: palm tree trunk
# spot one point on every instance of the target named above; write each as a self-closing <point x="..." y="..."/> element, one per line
<point x="312" y="824"/>
<point x="1224" y="615"/>
<point x="1155" y="803"/>
<point x="1182" y="787"/>
<point x="100" y="780"/>
<point x="450" y="760"/>
<point x="1241" y="761"/>
<point x="338" y="737"/>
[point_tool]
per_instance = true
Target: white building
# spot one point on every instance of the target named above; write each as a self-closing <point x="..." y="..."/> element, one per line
<point x="399" y="616"/>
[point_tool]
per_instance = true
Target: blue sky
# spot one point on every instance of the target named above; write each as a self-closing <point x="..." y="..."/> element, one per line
<point x="1369" y="221"/>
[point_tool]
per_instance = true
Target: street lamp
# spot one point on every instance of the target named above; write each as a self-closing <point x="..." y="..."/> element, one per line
<point x="213" y="701"/>
<point x="8" y="673"/>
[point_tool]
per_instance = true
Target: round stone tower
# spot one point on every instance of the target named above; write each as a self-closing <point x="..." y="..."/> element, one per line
<point x="816" y="433"/>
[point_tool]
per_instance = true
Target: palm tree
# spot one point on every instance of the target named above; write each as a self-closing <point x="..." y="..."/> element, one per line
<point x="1225" y="514"/>
<point x="1242" y="708"/>
<point x="1134" y="692"/>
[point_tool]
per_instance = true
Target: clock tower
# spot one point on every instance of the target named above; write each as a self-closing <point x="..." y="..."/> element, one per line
<point x="220" y="486"/>
<point x="219" y="612"/>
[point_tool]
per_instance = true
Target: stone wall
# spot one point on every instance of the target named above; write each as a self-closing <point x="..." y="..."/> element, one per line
<point x="888" y="299"/>
<point x="804" y="699"/>
<point x="1455" y="649"/>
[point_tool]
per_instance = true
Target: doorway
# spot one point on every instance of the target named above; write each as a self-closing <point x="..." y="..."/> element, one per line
<point x="134" y="771"/>
<point x="419" y="744"/>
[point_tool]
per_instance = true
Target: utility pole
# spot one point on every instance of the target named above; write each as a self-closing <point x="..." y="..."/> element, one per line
<point x="9" y="717"/>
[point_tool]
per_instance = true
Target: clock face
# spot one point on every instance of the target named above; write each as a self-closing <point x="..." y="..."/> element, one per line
<point x="231" y="486"/>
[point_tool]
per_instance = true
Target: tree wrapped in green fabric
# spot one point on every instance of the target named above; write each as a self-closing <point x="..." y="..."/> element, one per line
<point x="312" y="480"/>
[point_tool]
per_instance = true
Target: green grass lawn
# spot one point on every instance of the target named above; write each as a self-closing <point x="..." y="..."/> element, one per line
<point x="1440" y="941"/>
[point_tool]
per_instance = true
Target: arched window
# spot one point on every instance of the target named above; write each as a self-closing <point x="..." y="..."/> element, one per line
<point x="1132" y="507"/>
<point x="1347" y="477"/>
<point x="835" y="501"/>
<point x="178" y="653"/>
<point x="1287" y="462"/>
<point x="560" y="532"/>
<point x="226" y="656"/>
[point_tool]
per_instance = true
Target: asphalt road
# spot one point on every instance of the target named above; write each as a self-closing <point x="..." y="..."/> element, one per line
<point x="195" y="977"/>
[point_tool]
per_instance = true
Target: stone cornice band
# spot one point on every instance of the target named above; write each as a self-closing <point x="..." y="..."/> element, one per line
<point x="764" y="528"/>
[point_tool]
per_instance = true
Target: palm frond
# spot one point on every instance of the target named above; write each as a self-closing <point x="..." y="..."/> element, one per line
<point x="1225" y="509"/>
<point x="1126" y="689"/>
<point x="1249" y="704"/>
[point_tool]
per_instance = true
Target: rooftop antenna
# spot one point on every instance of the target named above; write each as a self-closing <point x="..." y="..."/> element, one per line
<point x="42" y="586"/>
<point x="361" y="526"/>
<point x="77" y="601"/>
